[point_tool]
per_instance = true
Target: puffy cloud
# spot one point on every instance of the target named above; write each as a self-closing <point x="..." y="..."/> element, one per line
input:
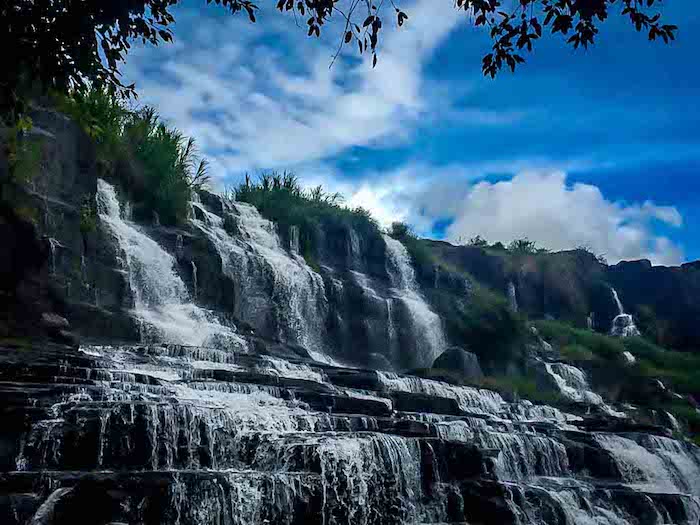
<point x="268" y="98"/>
<point x="544" y="208"/>
<point x="540" y="205"/>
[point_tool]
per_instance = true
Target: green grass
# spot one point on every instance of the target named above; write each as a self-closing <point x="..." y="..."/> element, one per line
<point x="562" y="335"/>
<point x="483" y="323"/>
<point x="157" y="166"/>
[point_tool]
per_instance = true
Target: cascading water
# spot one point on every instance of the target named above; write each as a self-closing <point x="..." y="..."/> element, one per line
<point x="623" y="324"/>
<point x="637" y="465"/>
<point x="160" y="297"/>
<point x="512" y="296"/>
<point x="572" y="383"/>
<point x="274" y="287"/>
<point x="426" y="325"/>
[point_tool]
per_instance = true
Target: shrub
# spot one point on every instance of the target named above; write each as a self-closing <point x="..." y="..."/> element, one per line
<point x="522" y="246"/>
<point x="478" y="242"/>
<point x="485" y="323"/>
<point x="166" y="166"/>
<point x="576" y="352"/>
<point x="400" y="231"/>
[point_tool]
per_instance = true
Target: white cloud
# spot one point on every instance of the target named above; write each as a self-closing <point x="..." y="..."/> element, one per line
<point x="268" y="110"/>
<point x="544" y="208"/>
<point x="536" y="204"/>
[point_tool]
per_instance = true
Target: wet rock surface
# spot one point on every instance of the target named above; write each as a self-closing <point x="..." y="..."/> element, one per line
<point x="160" y="434"/>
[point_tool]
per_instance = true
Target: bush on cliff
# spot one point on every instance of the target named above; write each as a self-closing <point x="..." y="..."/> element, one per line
<point x="483" y="322"/>
<point x="156" y="164"/>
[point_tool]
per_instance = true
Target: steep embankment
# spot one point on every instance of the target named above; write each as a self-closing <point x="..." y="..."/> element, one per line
<point x="219" y="387"/>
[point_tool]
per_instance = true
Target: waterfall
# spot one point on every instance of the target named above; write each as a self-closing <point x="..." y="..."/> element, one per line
<point x="623" y="324"/>
<point x="294" y="239"/>
<point x="194" y="278"/>
<point x="523" y="456"/>
<point x="160" y="297"/>
<point x="637" y="465"/>
<point x="275" y="289"/>
<point x="469" y="399"/>
<point x="682" y="461"/>
<point x="512" y="296"/>
<point x="572" y="383"/>
<point x="426" y="325"/>
<point x="590" y="321"/>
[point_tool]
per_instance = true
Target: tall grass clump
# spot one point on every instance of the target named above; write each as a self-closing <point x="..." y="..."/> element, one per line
<point x="157" y="165"/>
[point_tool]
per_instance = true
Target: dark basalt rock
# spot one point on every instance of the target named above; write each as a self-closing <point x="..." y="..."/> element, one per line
<point x="463" y="363"/>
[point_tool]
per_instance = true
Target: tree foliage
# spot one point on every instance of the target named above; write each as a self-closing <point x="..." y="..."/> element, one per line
<point x="73" y="44"/>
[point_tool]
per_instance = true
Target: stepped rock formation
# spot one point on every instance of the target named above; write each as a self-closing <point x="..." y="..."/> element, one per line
<point x="222" y="379"/>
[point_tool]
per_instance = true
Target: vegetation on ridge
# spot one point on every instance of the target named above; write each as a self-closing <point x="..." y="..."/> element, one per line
<point x="156" y="164"/>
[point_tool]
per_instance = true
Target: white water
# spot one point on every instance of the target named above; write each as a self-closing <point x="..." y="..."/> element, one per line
<point x="512" y="296"/>
<point x="682" y="461"/>
<point x="426" y="324"/>
<point x="161" y="300"/>
<point x="639" y="467"/>
<point x="273" y="285"/>
<point x="523" y="456"/>
<point x="572" y="383"/>
<point x="352" y="469"/>
<point x="623" y="323"/>
<point x="469" y="399"/>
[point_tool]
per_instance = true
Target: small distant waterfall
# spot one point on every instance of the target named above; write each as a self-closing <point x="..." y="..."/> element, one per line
<point x="426" y="324"/>
<point x="512" y="296"/>
<point x="54" y="246"/>
<point x="623" y="324"/>
<point x="274" y="288"/>
<point x="294" y="239"/>
<point x="572" y="383"/>
<point x="161" y="300"/>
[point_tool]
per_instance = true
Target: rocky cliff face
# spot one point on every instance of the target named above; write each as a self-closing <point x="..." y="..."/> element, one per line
<point x="224" y="379"/>
<point x="576" y="287"/>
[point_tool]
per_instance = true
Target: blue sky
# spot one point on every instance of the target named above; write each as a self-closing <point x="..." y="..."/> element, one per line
<point x="598" y="147"/>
